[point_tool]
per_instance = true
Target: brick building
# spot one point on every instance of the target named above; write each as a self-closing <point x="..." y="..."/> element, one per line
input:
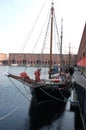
<point x="3" y="57"/>
<point x="82" y="47"/>
<point x="37" y="59"/>
<point x="81" y="57"/>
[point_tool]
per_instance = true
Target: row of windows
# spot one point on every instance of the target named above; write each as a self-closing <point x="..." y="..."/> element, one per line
<point x="30" y="62"/>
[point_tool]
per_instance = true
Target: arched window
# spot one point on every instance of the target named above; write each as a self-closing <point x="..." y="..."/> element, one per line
<point x="83" y="54"/>
<point x="13" y="61"/>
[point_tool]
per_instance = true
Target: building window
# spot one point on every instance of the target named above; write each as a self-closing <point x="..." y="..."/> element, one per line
<point x="83" y="54"/>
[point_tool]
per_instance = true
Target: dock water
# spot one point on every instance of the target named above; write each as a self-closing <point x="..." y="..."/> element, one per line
<point x="45" y="118"/>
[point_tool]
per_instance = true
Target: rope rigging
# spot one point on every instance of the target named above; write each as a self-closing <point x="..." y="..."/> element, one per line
<point x="6" y="105"/>
<point x="40" y="33"/>
<point x="53" y="97"/>
<point x="58" y="44"/>
<point x="64" y="99"/>
<point x="19" y="90"/>
<point x="45" y="37"/>
<point x="31" y="31"/>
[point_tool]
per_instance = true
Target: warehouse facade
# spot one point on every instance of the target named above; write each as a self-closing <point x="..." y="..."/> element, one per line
<point x="38" y="59"/>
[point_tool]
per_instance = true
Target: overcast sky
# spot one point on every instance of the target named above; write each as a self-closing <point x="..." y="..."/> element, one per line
<point x="17" y="18"/>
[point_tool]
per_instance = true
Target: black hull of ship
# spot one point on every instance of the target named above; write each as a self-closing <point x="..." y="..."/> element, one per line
<point x="41" y="115"/>
<point x="45" y="94"/>
<point x="49" y="92"/>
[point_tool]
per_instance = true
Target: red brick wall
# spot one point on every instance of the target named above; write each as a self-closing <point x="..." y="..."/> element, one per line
<point x="82" y="48"/>
<point x="19" y="58"/>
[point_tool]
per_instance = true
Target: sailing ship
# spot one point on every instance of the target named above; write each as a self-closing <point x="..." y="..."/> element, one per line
<point x="54" y="88"/>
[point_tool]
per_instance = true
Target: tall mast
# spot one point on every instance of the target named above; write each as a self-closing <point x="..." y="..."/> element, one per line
<point x="69" y="54"/>
<point x="51" y="38"/>
<point x="61" y="57"/>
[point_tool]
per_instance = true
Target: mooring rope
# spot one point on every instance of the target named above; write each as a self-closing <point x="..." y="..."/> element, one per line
<point x="65" y="100"/>
<point x="62" y="94"/>
<point x="19" y="90"/>
<point x="28" y="92"/>
<point x="11" y="112"/>
<point x="5" y="104"/>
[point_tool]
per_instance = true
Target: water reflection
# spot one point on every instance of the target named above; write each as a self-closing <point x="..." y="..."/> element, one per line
<point x="43" y="115"/>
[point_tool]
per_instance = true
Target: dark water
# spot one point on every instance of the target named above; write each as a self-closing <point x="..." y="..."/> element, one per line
<point x="18" y="113"/>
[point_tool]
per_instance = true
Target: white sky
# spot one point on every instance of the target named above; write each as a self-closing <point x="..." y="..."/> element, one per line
<point x="18" y="16"/>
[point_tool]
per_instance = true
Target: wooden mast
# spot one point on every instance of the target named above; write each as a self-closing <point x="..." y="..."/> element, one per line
<point x="61" y="56"/>
<point x="69" y="55"/>
<point x="51" y="39"/>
